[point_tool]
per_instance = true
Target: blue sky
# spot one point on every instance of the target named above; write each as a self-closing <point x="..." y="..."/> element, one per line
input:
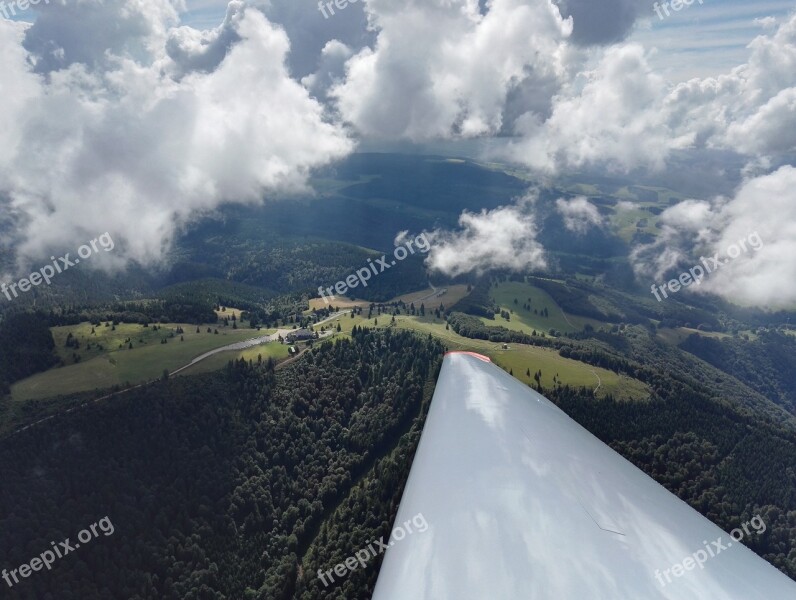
<point x="205" y="14"/>
<point x="708" y="39"/>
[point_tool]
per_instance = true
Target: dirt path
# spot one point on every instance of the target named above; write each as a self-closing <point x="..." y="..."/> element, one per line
<point x="265" y="339"/>
<point x="563" y="314"/>
<point x="599" y="381"/>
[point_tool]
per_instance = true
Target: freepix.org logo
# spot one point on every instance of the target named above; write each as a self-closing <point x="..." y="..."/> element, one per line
<point x="363" y="275"/>
<point x="676" y="5"/>
<point x="362" y="557"/>
<point x="711" y="550"/>
<point x="711" y="264"/>
<point x="59" y="550"/>
<point x="59" y="265"/>
<point x="9" y="10"/>
<point x="323" y="6"/>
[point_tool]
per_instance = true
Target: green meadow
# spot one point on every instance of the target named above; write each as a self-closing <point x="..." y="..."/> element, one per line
<point x="106" y="359"/>
<point x="275" y="350"/>
<point x="519" y="359"/>
<point x="109" y="360"/>
<point x="505" y="294"/>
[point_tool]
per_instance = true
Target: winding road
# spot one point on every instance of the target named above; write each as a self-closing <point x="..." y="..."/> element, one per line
<point x="265" y="339"/>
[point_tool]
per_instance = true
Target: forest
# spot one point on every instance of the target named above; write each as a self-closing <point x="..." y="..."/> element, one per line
<point x="767" y="364"/>
<point x="216" y="484"/>
<point x="27" y="347"/>
<point x="243" y="483"/>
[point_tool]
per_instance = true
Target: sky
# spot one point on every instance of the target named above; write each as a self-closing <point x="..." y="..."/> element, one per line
<point x="705" y="40"/>
<point x="698" y="41"/>
<point x="158" y="112"/>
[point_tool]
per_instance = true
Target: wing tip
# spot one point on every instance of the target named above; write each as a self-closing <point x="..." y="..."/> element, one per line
<point x="475" y="354"/>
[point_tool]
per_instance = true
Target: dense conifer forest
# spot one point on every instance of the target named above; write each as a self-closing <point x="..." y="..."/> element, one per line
<point x="244" y="483"/>
<point x="215" y="484"/>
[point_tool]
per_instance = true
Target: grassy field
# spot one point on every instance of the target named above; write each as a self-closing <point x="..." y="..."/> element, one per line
<point x="525" y="320"/>
<point x="111" y="365"/>
<point x="678" y="334"/>
<point x="338" y="302"/>
<point x="110" y="339"/>
<point x="274" y="350"/>
<point x="228" y="313"/>
<point x="518" y="358"/>
<point x="109" y="361"/>
<point x="627" y="222"/>
<point x="449" y="297"/>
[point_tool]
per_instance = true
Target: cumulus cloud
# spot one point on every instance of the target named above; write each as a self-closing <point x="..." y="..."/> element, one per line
<point x="683" y="227"/>
<point x="452" y="69"/>
<point x="92" y="33"/>
<point x="579" y="214"/>
<point x="310" y="32"/>
<point x="503" y="238"/>
<point x="763" y="208"/>
<point x="602" y="22"/>
<point x="752" y="109"/>
<point x="623" y="116"/>
<point x="767" y="276"/>
<point x="331" y="69"/>
<point x="444" y="68"/>
<point x="626" y="205"/>
<point x="111" y="140"/>
<point x="191" y="49"/>
<point x="612" y="120"/>
<point x="771" y="129"/>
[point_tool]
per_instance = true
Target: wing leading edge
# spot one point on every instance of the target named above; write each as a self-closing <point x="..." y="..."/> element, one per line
<point x="522" y="502"/>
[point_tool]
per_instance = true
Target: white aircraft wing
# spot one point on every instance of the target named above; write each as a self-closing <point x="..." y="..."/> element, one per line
<point x="521" y="502"/>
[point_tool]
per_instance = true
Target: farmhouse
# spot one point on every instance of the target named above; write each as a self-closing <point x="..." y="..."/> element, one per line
<point x="299" y="335"/>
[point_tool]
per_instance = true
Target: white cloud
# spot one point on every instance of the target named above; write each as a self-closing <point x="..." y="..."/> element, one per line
<point x="503" y="238"/>
<point x="625" y="205"/>
<point x="93" y="33"/>
<point x="615" y="119"/>
<point x="624" y="116"/>
<point x="601" y="22"/>
<point x="682" y="228"/>
<point x="766" y="22"/>
<point x="447" y="69"/>
<point x="752" y="109"/>
<point x="766" y="277"/>
<point x="331" y="70"/>
<point x="770" y="130"/>
<point x="441" y="68"/>
<point x="117" y="144"/>
<point x="579" y="214"/>
<point x="192" y="49"/>
<point x="764" y="206"/>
